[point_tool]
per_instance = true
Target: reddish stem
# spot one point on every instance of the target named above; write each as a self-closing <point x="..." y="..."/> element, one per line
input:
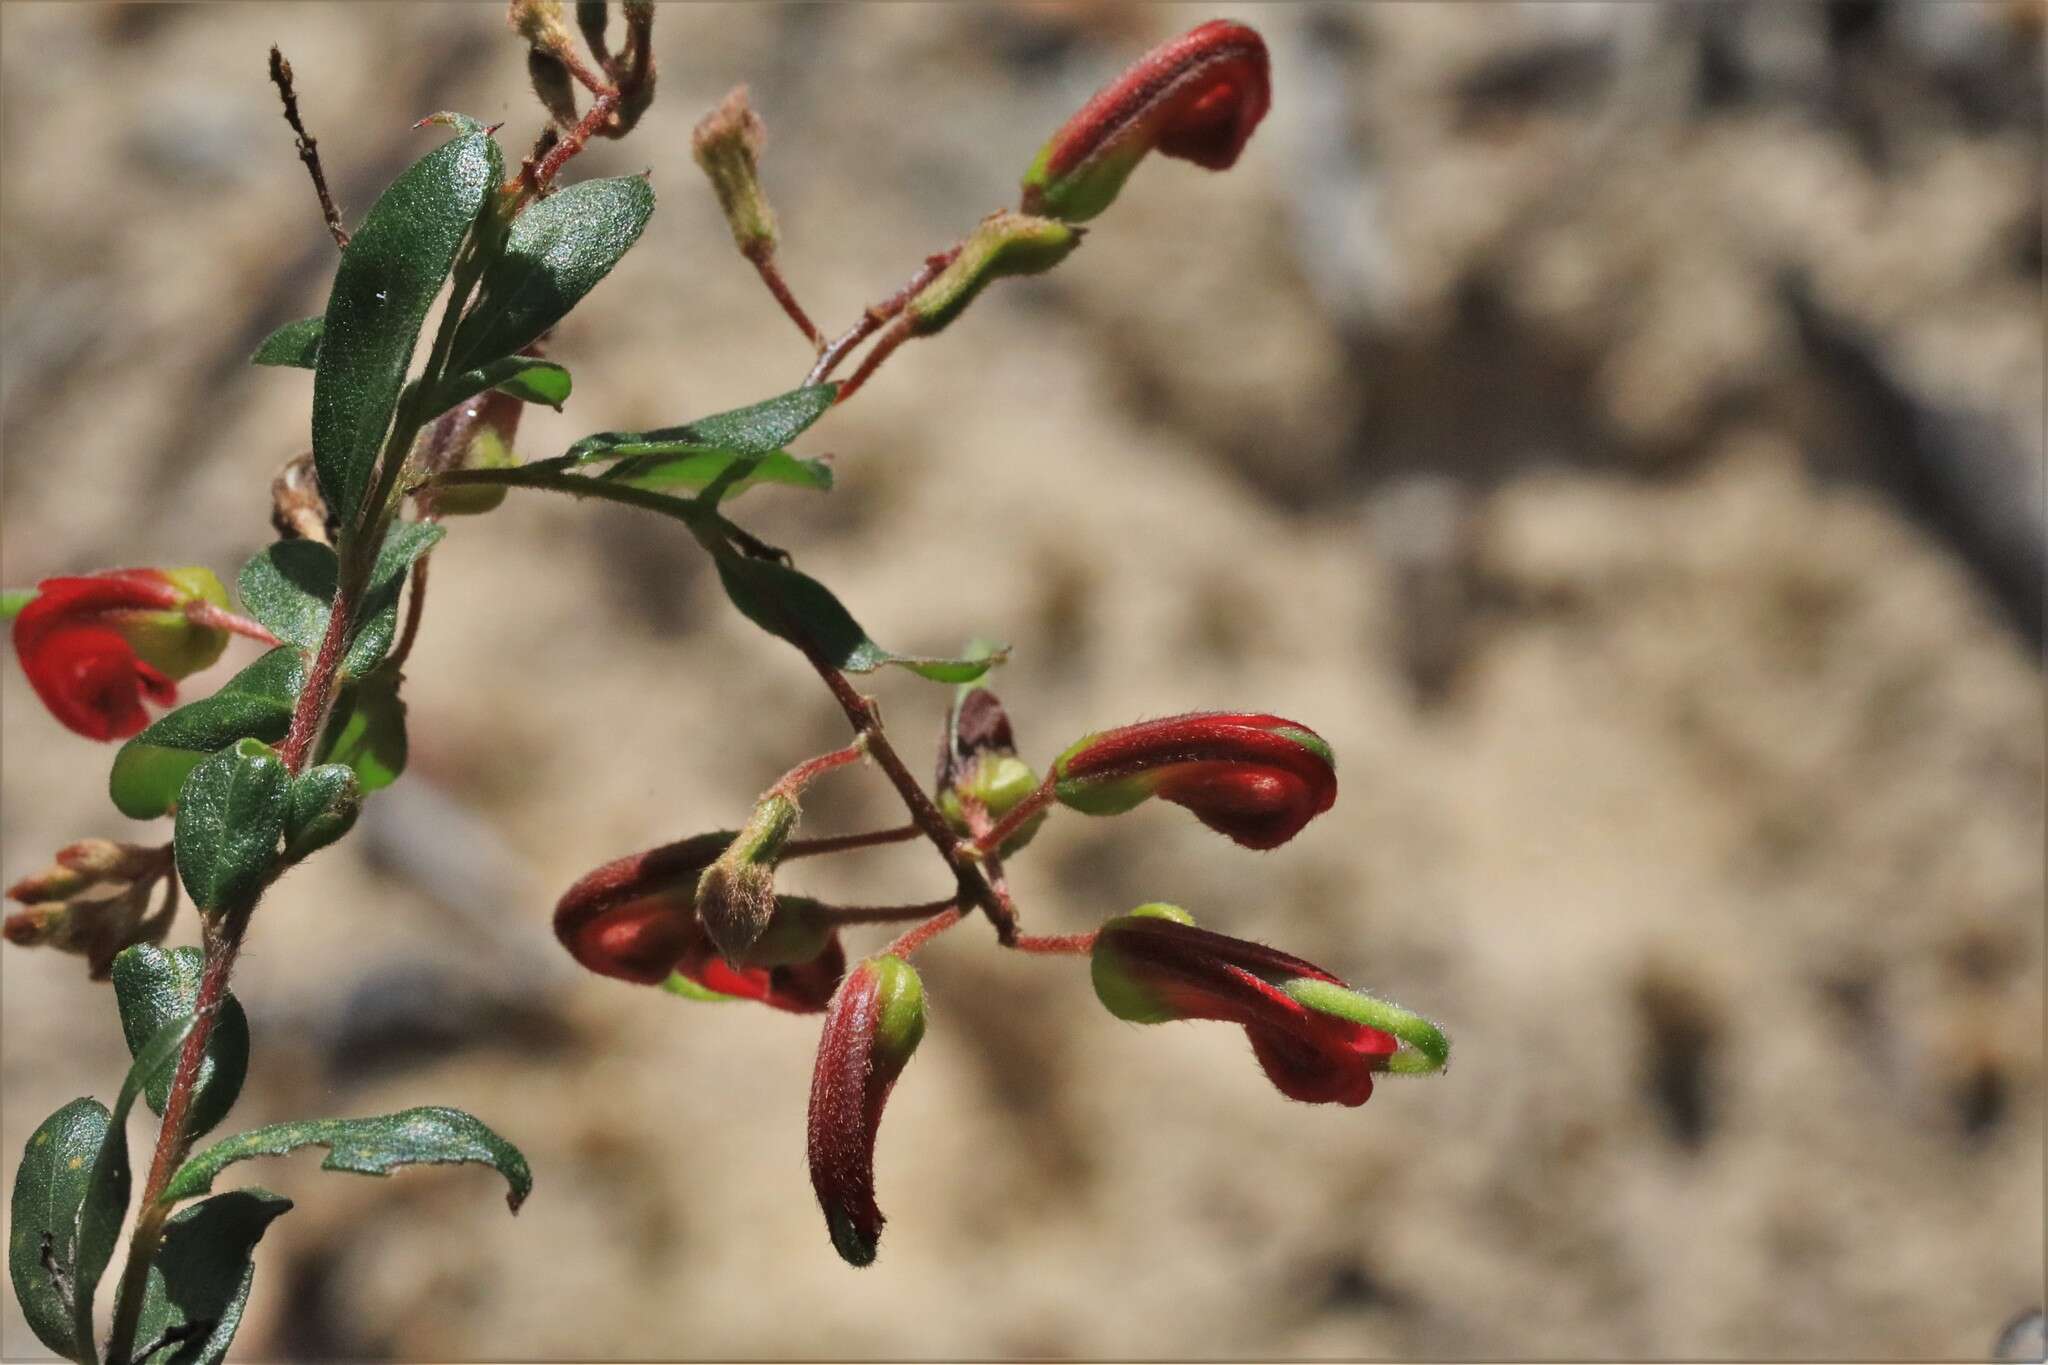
<point x="220" y="618"/>
<point x="415" y="610"/>
<point x="311" y="710"/>
<point x="1073" y="944"/>
<point x="763" y="258"/>
<point x="792" y="783"/>
<point x="916" y="938"/>
<point x="878" y="314"/>
<point x="884" y="348"/>
<point x="1031" y="805"/>
<point x="601" y="109"/>
<point x="843" y="843"/>
<point x="884" y="914"/>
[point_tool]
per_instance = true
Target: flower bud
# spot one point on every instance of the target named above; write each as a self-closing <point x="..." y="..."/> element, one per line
<point x="1197" y="98"/>
<point x="978" y="762"/>
<point x="96" y="928"/>
<point x="95" y="647"/>
<point x="727" y="145"/>
<point x="552" y="85"/>
<point x="632" y="918"/>
<point x="875" y="1023"/>
<point x="1003" y="243"/>
<point x="797" y="987"/>
<point x="1317" y="1040"/>
<point x="736" y="894"/>
<point x="1257" y="779"/>
<point x="539" y="22"/>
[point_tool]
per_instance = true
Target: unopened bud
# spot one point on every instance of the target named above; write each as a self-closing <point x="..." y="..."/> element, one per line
<point x="1004" y="243"/>
<point x="297" y="511"/>
<point x="632" y="917"/>
<point x="552" y="85"/>
<point x="978" y="763"/>
<point x="875" y="1023"/>
<point x="539" y="22"/>
<point x="727" y="144"/>
<point x="736" y="894"/>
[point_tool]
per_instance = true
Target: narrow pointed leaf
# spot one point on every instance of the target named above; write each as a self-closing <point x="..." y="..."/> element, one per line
<point x="705" y="468"/>
<point x="49" y="1190"/>
<point x="554" y="254"/>
<point x="154" y="987"/>
<point x="230" y="820"/>
<point x="254" y="704"/>
<point x="390" y="272"/>
<point x="753" y="430"/>
<point x="367" y="1146"/>
<point x="296" y="344"/>
<point x="798" y="608"/>
<point x="199" y="1283"/>
<point x="526" y="378"/>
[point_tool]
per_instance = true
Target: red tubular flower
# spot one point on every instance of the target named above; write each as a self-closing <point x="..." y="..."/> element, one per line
<point x="875" y="1023"/>
<point x="1317" y="1039"/>
<point x="1197" y="98"/>
<point x="95" y="648"/>
<point x="1255" y="778"/>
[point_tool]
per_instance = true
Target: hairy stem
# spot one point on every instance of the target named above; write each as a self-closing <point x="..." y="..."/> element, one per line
<point x="999" y="834"/>
<point x="309" y="148"/>
<point x="843" y="843"/>
<point x="763" y="258"/>
<point x="310" y="711"/>
<point x="840" y="915"/>
<point x="910" y="942"/>
<point x="876" y="315"/>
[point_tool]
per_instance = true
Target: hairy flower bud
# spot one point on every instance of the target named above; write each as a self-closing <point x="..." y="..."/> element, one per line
<point x="633" y="918"/>
<point x="95" y="927"/>
<point x="552" y="85"/>
<point x="1256" y="778"/>
<point x="978" y="763"/>
<point x="736" y="894"/>
<point x="875" y="1023"/>
<point x="727" y="145"/>
<point x="1197" y="98"/>
<point x="1317" y="1040"/>
<point x="94" y="648"/>
<point x="539" y="22"/>
<point x="1003" y="243"/>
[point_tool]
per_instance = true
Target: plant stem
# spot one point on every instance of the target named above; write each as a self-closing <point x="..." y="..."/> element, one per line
<point x="1054" y="943"/>
<point x="793" y="782"/>
<point x="839" y="915"/>
<point x="916" y="938"/>
<point x="1023" y="811"/>
<point x="763" y="258"/>
<point x="311" y="709"/>
<point x="843" y="843"/>
<point x="878" y="314"/>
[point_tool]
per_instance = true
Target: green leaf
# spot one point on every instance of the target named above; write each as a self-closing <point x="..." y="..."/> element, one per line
<point x="377" y="618"/>
<point x="296" y="344"/>
<point x="367" y="732"/>
<point x="711" y="466"/>
<point x="288" y="588"/>
<point x="254" y="704"/>
<point x="200" y="1279"/>
<point x="153" y="988"/>
<point x="754" y="430"/>
<point x="321" y="807"/>
<point x="528" y="379"/>
<point x="49" y="1190"/>
<point x="367" y="1146"/>
<point x="390" y="272"/>
<point x="230" y="818"/>
<point x="105" y="1206"/>
<point x="554" y="254"/>
<point x="798" y="608"/>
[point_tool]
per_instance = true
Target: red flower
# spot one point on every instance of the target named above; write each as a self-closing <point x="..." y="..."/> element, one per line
<point x="876" y="1022"/>
<point x="95" y="648"/>
<point x="1197" y="98"/>
<point x="1317" y="1039"/>
<point x="1256" y="778"/>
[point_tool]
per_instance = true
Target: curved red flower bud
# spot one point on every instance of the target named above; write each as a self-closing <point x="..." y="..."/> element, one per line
<point x="1317" y="1040"/>
<point x="1197" y="98"/>
<point x="96" y="647"/>
<point x="876" y="1022"/>
<point x="1255" y="778"/>
<point x="800" y="987"/>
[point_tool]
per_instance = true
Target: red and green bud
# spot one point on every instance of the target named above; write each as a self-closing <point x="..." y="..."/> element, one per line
<point x="1317" y="1039"/>
<point x="93" y="901"/>
<point x="1003" y="243"/>
<point x="1197" y="98"/>
<point x="1257" y="779"/>
<point x="727" y="146"/>
<point x="736" y="894"/>
<point x="978" y="765"/>
<point x="875" y="1023"/>
<point x="95" y="648"/>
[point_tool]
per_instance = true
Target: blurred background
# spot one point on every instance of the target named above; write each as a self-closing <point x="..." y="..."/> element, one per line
<point x="1618" y="428"/>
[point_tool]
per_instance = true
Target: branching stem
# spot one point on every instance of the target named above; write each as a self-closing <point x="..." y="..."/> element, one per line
<point x="309" y="148"/>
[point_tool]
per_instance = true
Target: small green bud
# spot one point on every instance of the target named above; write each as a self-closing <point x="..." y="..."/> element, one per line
<point x="727" y="145"/>
<point x="1004" y="243"/>
<point x="736" y="894"/>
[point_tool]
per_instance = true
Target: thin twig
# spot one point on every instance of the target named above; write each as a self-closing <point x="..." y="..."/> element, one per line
<point x="916" y="938"/>
<point x="309" y="148"/>
<point x="771" y="275"/>
<point x="875" y="316"/>
<point x="841" y="915"/>
<point x="843" y="843"/>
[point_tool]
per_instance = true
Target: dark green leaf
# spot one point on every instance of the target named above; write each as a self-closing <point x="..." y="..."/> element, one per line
<point x="367" y="732"/>
<point x="377" y="618"/>
<point x="154" y="987"/>
<point x="254" y="704"/>
<point x="49" y="1189"/>
<point x="230" y="818"/>
<point x="754" y="430"/>
<point x="707" y="467"/>
<point x="803" y="611"/>
<point x="296" y="344"/>
<point x="368" y="1146"/>
<point x="105" y="1206"/>
<point x="322" y="806"/>
<point x="525" y="378"/>
<point x="392" y="269"/>
<point x="288" y="588"/>
<point x="554" y="254"/>
<point x="200" y="1279"/>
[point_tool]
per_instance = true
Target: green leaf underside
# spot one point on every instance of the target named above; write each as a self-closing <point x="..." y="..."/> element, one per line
<point x="106" y="1197"/>
<point x="758" y="429"/>
<point x="230" y="819"/>
<point x="555" y="253"/>
<point x="154" y="987"/>
<point x="200" y="1280"/>
<point x="296" y="344"/>
<point x="390" y="272"/>
<point x="254" y="704"/>
<point x="524" y="377"/>
<point x="798" y="608"/>
<point x="367" y="732"/>
<point x="703" y="468"/>
<point x="49" y="1189"/>
<point x="367" y="1146"/>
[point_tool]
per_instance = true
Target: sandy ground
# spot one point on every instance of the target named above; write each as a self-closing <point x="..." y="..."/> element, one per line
<point x="1618" y="429"/>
